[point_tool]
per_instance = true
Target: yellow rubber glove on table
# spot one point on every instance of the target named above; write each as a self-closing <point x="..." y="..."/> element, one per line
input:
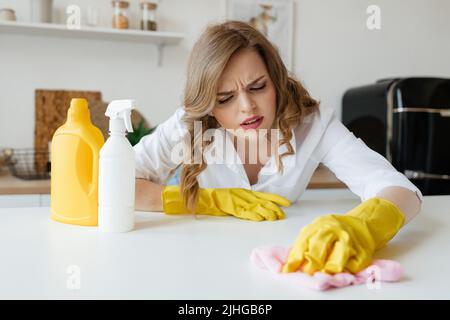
<point x="238" y="202"/>
<point x="345" y="243"/>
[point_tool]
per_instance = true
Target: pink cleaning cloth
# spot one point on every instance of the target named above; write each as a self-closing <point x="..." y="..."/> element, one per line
<point x="272" y="258"/>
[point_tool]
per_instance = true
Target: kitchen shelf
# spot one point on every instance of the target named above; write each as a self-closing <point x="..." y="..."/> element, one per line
<point x="159" y="38"/>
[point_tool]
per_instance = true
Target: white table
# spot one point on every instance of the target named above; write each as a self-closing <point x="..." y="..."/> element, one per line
<point x="178" y="257"/>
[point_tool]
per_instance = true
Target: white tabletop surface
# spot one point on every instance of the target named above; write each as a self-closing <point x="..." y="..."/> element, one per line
<point x="179" y="257"/>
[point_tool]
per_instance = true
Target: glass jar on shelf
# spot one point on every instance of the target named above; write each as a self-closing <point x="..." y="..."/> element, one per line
<point x="120" y="15"/>
<point x="7" y="14"/>
<point x="148" y="16"/>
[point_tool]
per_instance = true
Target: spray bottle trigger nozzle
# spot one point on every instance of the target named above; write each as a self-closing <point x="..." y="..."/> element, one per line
<point x="120" y="109"/>
<point x="127" y="118"/>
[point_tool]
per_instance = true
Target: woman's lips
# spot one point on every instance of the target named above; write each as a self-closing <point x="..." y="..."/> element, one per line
<point x="255" y="123"/>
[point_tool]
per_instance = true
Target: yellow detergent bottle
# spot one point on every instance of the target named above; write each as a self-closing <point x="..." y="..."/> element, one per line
<point x="74" y="167"/>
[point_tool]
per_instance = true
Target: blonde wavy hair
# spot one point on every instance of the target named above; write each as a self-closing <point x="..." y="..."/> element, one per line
<point x="207" y="61"/>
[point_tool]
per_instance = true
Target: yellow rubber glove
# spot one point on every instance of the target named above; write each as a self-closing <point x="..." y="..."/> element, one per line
<point x="241" y="203"/>
<point x="345" y="243"/>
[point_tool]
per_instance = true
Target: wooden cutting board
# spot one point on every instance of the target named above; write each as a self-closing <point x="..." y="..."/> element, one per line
<point x="51" y="112"/>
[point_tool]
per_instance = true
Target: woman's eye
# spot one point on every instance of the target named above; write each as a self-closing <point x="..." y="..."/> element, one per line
<point x="259" y="87"/>
<point x="225" y="100"/>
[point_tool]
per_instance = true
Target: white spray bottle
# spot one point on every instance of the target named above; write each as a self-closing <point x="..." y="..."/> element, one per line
<point x="116" y="187"/>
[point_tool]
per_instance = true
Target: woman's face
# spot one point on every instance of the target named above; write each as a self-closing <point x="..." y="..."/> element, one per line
<point x="246" y="97"/>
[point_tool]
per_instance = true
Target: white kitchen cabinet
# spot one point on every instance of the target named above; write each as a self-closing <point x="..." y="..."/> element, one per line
<point x="45" y="200"/>
<point x="24" y="200"/>
<point x="19" y="200"/>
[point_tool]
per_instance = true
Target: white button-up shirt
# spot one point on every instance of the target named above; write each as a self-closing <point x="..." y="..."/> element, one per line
<point x="320" y="138"/>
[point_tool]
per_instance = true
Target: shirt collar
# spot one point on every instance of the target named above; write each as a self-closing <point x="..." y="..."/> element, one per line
<point x="222" y="151"/>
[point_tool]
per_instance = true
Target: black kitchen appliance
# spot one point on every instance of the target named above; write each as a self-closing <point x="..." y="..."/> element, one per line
<point x="407" y="120"/>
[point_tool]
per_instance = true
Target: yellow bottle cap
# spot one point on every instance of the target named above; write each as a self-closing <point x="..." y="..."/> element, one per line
<point x="79" y="110"/>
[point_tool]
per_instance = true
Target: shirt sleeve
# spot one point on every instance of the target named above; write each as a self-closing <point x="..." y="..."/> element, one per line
<point x="156" y="154"/>
<point x="363" y="170"/>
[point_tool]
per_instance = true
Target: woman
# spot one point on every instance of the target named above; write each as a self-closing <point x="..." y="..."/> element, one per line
<point x="238" y="86"/>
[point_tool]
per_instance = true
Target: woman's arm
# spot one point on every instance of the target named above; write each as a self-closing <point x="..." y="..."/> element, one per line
<point x="156" y="155"/>
<point x="154" y="161"/>
<point x="407" y="200"/>
<point x="367" y="173"/>
<point x="148" y="196"/>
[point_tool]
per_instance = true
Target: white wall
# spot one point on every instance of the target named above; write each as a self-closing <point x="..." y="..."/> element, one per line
<point x="117" y="69"/>
<point x="333" y="50"/>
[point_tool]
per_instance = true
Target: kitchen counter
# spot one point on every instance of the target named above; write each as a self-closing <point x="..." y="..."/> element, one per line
<point x="179" y="257"/>
<point x="10" y="185"/>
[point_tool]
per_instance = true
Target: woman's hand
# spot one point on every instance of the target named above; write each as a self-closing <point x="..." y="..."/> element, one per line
<point x="345" y="243"/>
<point x="148" y="196"/>
<point x="238" y="202"/>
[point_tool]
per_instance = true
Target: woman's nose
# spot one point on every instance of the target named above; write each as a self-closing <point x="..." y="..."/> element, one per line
<point x="246" y="104"/>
